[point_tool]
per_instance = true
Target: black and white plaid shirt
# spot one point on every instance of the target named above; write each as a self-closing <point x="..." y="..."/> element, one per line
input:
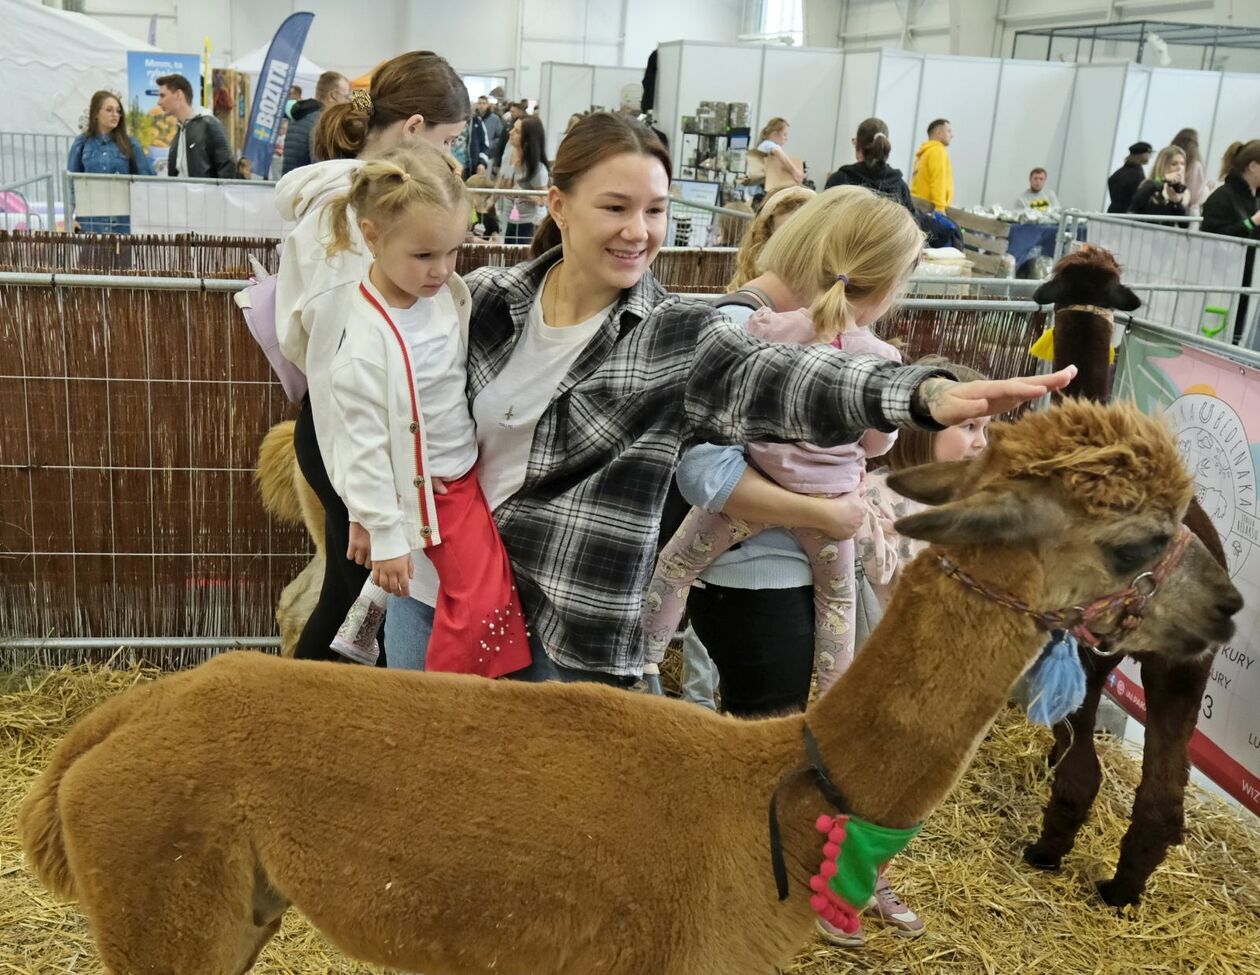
<point x="662" y="372"/>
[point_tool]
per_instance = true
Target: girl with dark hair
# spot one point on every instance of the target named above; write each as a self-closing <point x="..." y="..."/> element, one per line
<point x="104" y="147"/>
<point x="416" y="97"/>
<point x="872" y="146"/>
<point x="528" y="171"/>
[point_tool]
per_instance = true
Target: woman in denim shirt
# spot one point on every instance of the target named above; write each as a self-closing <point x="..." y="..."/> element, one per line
<point x="105" y="147"/>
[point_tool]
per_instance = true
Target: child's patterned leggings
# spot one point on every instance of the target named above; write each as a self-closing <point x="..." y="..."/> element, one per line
<point x="703" y="536"/>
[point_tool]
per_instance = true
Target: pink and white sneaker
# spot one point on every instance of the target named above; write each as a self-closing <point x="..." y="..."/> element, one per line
<point x="892" y="911"/>
<point x="833" y="935"/>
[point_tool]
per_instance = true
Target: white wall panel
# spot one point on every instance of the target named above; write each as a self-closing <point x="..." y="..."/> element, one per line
<point x="1129" y="121"/>
<point x="1091" y="131"/>
<point x="607" y="82"/>
<point x="668" y="79"/>
<point x="1030" y="128"/>
<point x="1178" y="99"/>
<point x="963" y="90"/>
<point x="568" y="90"/>
<point x="1237" y="119"/>
<point x="896" y="102"/>
<point x="857" y="102"/>
<point x="803" y="86"/>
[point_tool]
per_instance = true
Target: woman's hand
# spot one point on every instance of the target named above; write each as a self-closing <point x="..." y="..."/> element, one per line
<point x="360" y="548"/>
<point x="394" y="575"/>
<point x="950" y="403"/>
<point x="839" y="517"/>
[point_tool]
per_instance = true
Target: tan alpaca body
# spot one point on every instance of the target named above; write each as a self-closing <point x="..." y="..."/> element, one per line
<point x="451" y="825"/>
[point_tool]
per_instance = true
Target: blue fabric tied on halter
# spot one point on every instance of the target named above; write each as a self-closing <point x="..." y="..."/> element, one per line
<point x="1056" y="682"/>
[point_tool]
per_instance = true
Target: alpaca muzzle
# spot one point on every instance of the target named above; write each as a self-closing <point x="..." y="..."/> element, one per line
<point x="1126" y="608"/>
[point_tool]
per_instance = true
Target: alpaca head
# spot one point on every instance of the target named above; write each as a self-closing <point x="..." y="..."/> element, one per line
<point x="1079" y="500"/>
<point x="1089" y="276"/>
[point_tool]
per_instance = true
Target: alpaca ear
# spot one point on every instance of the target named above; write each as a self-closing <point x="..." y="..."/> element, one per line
<point x="1049" y="292"/>
<point x="1122" y="299"/>
<point x="933" y="483"/>
<point x="987" y="518"/>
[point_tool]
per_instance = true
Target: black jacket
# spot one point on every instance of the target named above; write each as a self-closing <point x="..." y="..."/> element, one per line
<point x="1230" y="204"/>
<point x="882" y="178"/>
<point x="1149" y="199"/>
<point x="297" y="140"/>
<point x="1122" y="185"/>
<point x="209" y="156"/>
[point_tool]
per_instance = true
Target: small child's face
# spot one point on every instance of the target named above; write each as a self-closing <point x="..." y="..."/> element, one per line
<point x="419" y="254"/>
<point x="963" y="442"/>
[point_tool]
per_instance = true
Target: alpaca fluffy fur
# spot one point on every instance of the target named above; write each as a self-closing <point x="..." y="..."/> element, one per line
<point x="449" y="824"/>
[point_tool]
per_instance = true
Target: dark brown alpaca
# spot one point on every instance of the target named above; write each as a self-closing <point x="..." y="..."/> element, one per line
<point x="1084" y="286"/>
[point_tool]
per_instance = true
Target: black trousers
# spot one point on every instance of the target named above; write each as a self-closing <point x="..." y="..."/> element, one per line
<point x="343" y="579"/>
<point x="762" y="641"/>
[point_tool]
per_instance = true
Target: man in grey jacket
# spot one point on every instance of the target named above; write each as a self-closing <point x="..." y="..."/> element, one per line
<point x="333" y="88"/>
<point x="201" y="148"/>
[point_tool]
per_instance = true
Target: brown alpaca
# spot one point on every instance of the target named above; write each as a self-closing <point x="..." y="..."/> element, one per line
<point x="1085" y="285"/>
<point x="449" y="824"/>
<point x="289" y="498"/>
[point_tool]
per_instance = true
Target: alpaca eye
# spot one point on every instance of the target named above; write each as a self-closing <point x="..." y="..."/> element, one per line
<point x="1134" y="555"/>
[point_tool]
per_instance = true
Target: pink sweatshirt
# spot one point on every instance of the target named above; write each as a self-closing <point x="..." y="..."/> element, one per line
<point x="803" y="467"/>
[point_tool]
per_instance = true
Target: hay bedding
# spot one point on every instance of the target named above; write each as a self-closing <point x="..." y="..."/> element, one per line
<point x="986" y="911"/>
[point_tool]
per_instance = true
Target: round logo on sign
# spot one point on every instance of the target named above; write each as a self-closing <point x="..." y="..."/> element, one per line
<point x="1213" y="443"/>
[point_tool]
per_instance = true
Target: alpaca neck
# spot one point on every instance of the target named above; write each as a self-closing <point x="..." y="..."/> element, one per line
<point x="901" y="725"/>
<point x="1083" y="340"/>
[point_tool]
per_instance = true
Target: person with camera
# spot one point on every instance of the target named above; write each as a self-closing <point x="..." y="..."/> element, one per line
<point x="1165" y="193"/>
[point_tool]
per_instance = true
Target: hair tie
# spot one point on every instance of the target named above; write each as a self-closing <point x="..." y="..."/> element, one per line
<point x="843" y="279"/>
<point x="879" y="135"/>
<point x="361" y="99"/>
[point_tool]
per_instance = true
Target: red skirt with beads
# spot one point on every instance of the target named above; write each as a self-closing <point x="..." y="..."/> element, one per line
<point x="478" y="627"/>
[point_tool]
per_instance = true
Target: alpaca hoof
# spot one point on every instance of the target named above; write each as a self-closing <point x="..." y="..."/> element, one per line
<point x="1034" y="857"/>
<point x="1117" y="895"/>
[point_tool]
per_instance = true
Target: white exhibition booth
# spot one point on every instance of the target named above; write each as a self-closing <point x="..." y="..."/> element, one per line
<point x="567" y="89"/>
<point x="1008" y="116"/>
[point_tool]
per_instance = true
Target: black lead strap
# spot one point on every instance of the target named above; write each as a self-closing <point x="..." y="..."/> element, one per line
<point x="830" y="791"/>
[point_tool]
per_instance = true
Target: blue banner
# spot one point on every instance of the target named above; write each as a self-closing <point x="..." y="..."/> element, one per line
<point x="155" y="130"/>
<point x="278" y="71"/>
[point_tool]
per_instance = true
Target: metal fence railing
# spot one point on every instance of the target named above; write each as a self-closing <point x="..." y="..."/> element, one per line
<point x="31" y="204"/>
<point x="29" y="155"/>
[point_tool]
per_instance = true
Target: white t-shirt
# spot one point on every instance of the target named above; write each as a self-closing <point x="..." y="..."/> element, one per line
<point x="768" y="146"/>
<point x="439" y="363"/>
<point x="508" y="410"/>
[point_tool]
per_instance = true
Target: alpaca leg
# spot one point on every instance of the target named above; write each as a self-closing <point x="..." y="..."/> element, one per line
<point x="1077" y="777"/>
<point x="1174" y="692"/>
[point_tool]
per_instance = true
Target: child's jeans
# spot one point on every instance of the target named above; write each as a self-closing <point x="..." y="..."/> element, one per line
<point x="703" y="536"/>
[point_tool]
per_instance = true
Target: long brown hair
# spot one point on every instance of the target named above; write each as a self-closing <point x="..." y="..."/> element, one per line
<point x="119" y="135"/>
<point x="597" y="137"/>
<point x="403" y="181"/>
<point x="1239" y="156"/>
<point x="416" y="83"/>
<point x="1187" y="140"/>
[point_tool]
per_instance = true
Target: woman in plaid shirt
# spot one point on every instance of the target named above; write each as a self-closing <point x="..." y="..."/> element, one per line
<point x="587" y="379"/>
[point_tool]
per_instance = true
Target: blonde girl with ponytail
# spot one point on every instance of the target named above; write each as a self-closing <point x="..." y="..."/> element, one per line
<point x="826" y="277"/>
<point x="404" y="448"/>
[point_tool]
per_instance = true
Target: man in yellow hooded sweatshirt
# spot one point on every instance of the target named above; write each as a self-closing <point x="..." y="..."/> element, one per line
<point x="933" y="177"/>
